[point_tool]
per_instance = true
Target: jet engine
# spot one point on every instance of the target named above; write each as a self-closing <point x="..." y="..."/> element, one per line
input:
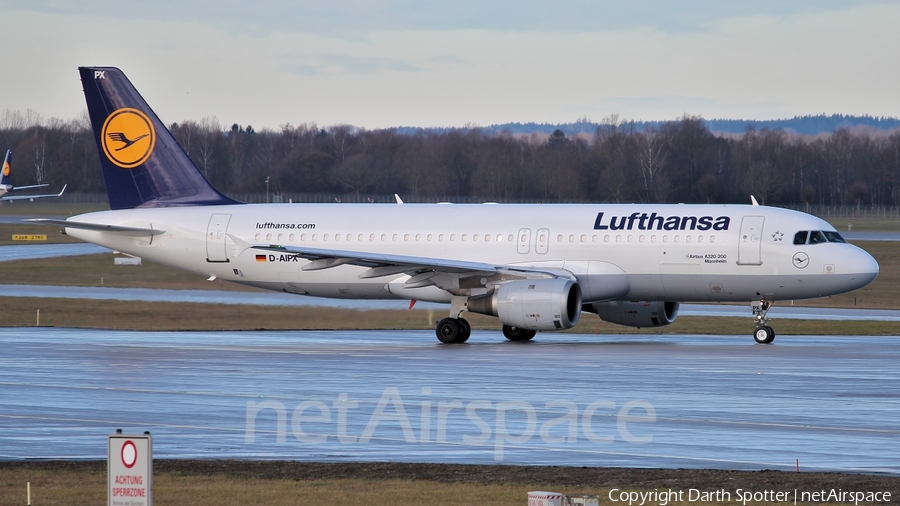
<point x="635" y="314"/>
<point x="533" y="304"/>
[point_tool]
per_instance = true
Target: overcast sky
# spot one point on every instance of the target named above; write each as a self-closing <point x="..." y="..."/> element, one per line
<point x="382" y="63"/>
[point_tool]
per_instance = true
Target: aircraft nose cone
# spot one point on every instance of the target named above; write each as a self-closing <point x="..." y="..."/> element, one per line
<point x="861" y="263"/>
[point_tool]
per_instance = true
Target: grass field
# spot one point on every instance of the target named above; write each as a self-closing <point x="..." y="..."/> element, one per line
<point x="865" y="225"/>
<point x="225" y="483"/>
<point x="89" y="488"/>
<point x="99" y="270"/>
<point x="47" y="207"/>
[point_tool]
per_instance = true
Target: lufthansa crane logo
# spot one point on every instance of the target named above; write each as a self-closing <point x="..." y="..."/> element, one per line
<point x="801" y="260"/>
<point x="128" y="138"/>
<point x="5" y="168"/>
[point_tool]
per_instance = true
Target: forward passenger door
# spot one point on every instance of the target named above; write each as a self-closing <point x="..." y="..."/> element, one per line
<point x="750" y="241"/>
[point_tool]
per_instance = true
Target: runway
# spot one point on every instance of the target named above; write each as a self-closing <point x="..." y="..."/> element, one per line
<point x="565" y="399"/>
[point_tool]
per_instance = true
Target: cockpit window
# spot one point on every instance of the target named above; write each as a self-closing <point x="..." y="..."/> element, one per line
<point x="817" y="237"/>
<point x="834" y="237"/>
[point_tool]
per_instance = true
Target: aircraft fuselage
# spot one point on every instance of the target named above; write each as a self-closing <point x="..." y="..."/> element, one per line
<point x="621" y="252"/>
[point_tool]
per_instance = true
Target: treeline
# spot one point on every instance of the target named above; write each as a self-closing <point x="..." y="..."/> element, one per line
<point x="806" y="125"/>
<point x="679" y="161"/>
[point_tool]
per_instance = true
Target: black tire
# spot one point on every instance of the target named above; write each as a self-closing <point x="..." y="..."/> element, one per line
<point x="466" y="330"/>
<point x="449" y="331"/>
<point x="764" y="335"/>
<point x="517" y="334"/>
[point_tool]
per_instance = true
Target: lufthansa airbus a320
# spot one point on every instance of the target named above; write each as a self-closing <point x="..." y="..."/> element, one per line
<point x="535" y="267"/>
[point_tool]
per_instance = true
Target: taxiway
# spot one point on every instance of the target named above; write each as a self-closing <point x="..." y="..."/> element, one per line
<point x="636" y="401"/>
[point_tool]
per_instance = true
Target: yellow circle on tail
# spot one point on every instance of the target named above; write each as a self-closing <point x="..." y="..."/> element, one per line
<point x="128" y="137"/>
<point x="5" y="168"/>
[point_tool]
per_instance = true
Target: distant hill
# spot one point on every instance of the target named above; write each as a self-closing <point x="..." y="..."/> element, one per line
<point x="807" y="125"/>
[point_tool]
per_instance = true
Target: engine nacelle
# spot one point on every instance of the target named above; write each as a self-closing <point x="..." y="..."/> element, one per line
<point x="533" y="304"/>
<point x="636" y="314"/>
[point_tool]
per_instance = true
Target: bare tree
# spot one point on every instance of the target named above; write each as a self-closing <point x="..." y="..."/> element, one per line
<point x="652" y="156"/>
<point x="355" y="173"/>
<point x="209" y="133"/>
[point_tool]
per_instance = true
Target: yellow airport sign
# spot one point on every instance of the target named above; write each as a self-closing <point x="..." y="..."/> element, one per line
<point x="29" y="237"/>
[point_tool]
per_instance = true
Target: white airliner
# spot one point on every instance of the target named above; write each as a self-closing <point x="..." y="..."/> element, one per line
<point x="536" y="267"/>
<point x="5" y="187"/>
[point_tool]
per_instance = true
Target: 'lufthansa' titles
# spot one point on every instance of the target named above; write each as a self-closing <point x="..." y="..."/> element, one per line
<point x="653" y="221"/>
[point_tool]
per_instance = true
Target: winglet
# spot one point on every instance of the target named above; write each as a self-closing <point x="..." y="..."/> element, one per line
<point x="753" y="201"/>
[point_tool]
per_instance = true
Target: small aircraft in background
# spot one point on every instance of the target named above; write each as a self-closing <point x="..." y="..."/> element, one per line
<point x="5" y="187"/>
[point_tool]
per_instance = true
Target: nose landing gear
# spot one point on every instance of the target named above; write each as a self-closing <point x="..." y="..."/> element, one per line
<point x="763" y="334"/>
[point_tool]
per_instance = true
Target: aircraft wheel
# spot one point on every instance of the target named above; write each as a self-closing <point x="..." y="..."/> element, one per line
<point x="466" y="330"/>
<point x="450" y="331"/>
<point x="517" y="333"/>
<point x="764" y="334"/>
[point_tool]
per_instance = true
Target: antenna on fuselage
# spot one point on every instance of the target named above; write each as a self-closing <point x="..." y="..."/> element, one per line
<point x="753" y="201"/>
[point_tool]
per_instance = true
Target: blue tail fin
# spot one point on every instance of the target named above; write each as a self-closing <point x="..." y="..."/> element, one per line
<point x="4" y="171"/>
<point x="143" y="165"/>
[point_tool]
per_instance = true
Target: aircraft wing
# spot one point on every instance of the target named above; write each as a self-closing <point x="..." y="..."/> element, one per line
<point x="327" y="258"/>
<point x="423" y="269"/>
<point x="28" y="197"/>
<point x="133" y="231"/>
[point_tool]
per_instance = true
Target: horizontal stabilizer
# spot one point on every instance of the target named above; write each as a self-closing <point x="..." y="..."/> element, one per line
<point x="31" y="186"/>
<point x="30" y="197"/>
<point x="100" y="227"/>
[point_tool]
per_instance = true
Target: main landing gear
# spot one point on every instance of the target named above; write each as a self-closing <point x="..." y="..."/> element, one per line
<point x="453" y="330"/>
<point x="517" y="333"/>
<point x="457" y="330"/>
<point x="763" y="334"/>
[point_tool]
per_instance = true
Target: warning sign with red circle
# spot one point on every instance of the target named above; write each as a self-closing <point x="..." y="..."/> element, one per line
<point x="129" y="454"/>
<point x="130" y="470"/>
